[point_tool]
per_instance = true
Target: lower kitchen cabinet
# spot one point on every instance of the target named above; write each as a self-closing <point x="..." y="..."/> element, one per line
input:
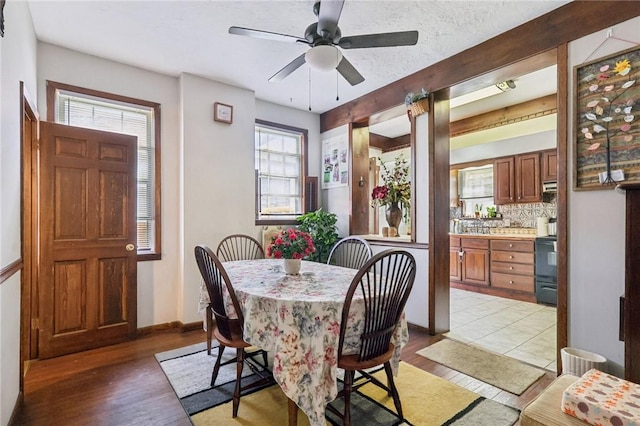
<point x="513" y="265"/>
<point x="502" y="267"/>
<point x="473" y="261"/>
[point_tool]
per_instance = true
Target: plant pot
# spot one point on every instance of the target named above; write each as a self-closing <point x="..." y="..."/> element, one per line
<point x="418" y="107"/>
<point x="394" y="216"/>
<point x="292" y="266"/>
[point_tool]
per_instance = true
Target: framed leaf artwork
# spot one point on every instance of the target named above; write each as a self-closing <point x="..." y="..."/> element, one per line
<point x="607" y="149"/>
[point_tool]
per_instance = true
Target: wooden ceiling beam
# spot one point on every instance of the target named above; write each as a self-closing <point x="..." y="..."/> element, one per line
<point x="503" y="116"/>
<point x="529" y="40"/>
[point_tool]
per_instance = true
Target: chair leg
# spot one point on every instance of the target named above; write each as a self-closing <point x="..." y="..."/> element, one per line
<point x="264" y="359"/>
<point x="394" y="391"/>
<point x="216" y="367"/>
<point x="209" y="319"/>
<point x="236" y="391"/>
<point x="348" y="382"/>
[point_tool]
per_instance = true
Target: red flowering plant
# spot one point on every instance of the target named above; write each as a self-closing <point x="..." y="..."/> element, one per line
<point x="290" y="244"/>
<point x="396" y="187"/>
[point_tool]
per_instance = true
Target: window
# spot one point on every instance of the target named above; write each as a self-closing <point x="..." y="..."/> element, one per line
<point x="80" y="107"/>
<point x="280" y="169"/>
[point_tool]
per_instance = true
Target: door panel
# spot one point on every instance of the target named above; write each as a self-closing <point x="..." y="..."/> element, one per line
<point x="88" y="218"/>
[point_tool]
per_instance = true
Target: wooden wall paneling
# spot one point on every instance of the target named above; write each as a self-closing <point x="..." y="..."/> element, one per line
<point x="359" y="217"/>
<point x="439" y="213"/>
<point x="631" y="317"/>
<point x="567" y="23"/>
<point x="562" y="214"/>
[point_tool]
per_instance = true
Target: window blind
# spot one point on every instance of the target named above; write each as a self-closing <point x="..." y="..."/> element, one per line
<point x="113" y="116"/>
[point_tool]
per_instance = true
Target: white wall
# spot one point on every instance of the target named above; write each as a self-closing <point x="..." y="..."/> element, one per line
<point x="417" y="308"/>
<point x="218" y="175"/>
<point x="596" y="230"/>
<point x="18" y="63"/>
<point x="337" y="200"/>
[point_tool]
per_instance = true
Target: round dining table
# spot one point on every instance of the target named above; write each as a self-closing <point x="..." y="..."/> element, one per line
<point x="297" y="319"/>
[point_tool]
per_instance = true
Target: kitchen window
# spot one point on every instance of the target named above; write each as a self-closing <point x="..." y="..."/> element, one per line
<point x="76" y="106"/>
<point x="280" y="164"/>
<point x="475" y="188"/>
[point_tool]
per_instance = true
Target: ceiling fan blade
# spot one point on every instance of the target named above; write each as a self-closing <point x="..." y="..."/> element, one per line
<point x="266" y="35"/>
<point x="289" y="68"/>
<point x="349" y="72"/>
<point x="328" y="17"/>
<point x="403" y="38"/>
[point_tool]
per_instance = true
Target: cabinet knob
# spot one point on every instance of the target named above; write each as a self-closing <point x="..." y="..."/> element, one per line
<point x="510" y="282"/>
<point x="510" y="245"/>
<point x="511" y="267"/>
<point x="510" y="257"/>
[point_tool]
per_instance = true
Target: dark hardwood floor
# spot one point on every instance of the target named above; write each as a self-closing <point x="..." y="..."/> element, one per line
<point x="124" y="385"/>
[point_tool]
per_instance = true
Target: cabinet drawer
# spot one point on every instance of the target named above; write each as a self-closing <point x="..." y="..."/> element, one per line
<point x="477" y="243"/>
<point x="454" y="242"/>
<point x="508" y="245"/>
<point x="512" y="282"/>
<point x="512" y="256"/>
<point x="512" y="268"/>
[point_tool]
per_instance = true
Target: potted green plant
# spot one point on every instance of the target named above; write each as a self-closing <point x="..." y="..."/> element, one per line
<point x="417" y="103"/>
<point x="322" y="227"/>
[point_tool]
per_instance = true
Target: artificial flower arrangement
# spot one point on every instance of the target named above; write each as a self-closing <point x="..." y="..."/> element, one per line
<point x="290" y="244"/>
<point x="415" y="97"/>
<point x="396" y="187"/>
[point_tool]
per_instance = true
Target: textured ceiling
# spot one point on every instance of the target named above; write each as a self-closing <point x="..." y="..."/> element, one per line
<point x="174" y="37"/>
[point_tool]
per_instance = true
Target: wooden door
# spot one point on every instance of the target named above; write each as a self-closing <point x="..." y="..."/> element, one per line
<point x="87" y="294"/>
<point x="529" y="184"/>
<point x="503" y="181"/>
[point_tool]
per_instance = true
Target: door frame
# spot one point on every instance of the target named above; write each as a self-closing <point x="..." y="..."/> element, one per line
<point x="29" y="206"/>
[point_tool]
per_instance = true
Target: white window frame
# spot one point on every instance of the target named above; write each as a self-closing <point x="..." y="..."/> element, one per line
<point x="275" y="217"/>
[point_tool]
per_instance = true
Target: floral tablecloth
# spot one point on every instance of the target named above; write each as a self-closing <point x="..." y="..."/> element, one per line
<point x="297" y="318"/>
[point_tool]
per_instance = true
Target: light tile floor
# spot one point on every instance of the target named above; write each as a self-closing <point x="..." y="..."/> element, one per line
<point x="520" y="330"/>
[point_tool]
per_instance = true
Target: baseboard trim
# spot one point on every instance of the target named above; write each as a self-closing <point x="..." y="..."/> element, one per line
<point x="17" y="408"/>
<point x="173" y="325"/>
<point x="418" y="328"/>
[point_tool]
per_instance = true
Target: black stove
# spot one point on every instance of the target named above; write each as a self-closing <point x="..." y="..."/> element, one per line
<point x="546" y="270"/>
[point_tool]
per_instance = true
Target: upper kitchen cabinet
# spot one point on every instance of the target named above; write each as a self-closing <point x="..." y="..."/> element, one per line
<point x="549" y="165"/>
<point x="517" y="179"/>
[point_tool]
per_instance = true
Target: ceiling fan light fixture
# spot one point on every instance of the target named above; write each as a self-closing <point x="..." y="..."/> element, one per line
<point x="323" y="57"/>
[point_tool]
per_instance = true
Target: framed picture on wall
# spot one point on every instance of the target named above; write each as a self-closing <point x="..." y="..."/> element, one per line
<point x="223" y="113"/>
<point x="607" y="149"/>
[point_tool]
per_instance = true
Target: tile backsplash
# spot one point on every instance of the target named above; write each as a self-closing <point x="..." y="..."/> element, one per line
<point x="524" y="215"/>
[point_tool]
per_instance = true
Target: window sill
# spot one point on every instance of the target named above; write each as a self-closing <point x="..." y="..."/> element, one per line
<point x="143" y="257"/>
<point x="403" y="240"/>
<point x="265" y="222"/>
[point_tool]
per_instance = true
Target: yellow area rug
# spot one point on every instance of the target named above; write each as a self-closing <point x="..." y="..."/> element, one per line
<point x="426" y="400"/>
<point x="497" y="370"/>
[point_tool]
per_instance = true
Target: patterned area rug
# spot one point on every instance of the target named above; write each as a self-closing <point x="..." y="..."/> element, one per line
<point x="426" y="399"/>
<point x="497" y="370"/>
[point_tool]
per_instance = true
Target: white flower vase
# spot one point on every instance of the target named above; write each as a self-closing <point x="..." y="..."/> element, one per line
<point x="292" y="266"/>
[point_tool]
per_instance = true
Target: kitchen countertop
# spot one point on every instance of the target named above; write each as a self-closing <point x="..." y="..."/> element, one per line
<point x="528" y="237"/>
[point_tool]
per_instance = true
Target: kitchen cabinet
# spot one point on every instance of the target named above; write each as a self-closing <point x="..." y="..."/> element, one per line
<point x="549" y="165"/>
<point x="455" y="268"/>
<point x="473" y="261"/>
<point x="513" y="265"/>
<point x="517" y="179"/>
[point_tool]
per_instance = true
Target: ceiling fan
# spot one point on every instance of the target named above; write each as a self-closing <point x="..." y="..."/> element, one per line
<point x="325" y="37"/>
